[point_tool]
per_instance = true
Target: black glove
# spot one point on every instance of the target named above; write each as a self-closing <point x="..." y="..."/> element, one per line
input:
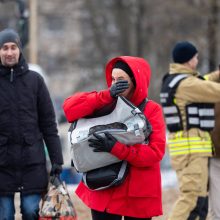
<point x="56" y="169"/>
<point x="118" y="87"/>
<point x="56" y="181"/>
<point x="102" y="144"/>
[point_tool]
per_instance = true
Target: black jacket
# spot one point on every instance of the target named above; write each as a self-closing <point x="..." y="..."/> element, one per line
<point x="26" y="119"/>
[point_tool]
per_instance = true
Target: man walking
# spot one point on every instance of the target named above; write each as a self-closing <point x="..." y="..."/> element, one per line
<point x="27" y="120"/>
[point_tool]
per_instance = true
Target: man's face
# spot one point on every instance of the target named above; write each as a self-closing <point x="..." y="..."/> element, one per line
<point x="9" y="54"/>
<point x="194" y="62"/>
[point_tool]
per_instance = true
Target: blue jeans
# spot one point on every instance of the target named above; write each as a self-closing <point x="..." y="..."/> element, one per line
<point x="29" y="207"/>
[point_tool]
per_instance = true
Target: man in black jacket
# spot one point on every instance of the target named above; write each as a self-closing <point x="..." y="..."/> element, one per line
<point x="27" y="124"/>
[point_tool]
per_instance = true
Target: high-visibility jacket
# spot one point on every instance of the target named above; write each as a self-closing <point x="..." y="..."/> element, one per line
<point x="190" y="94"/>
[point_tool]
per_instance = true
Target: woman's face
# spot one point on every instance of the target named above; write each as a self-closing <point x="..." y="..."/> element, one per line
<point x="119" y="74"/>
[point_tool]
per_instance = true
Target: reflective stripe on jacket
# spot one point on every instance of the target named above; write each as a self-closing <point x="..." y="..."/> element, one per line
<point x="189" y="145"/>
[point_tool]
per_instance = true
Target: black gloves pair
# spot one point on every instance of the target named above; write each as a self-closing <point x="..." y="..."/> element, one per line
<point x="118" y="87"/>
<point x="102" y="144"/>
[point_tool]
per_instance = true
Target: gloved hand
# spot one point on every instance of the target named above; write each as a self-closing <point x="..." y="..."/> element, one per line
<point x="118" y="87"/>
<point x="56" y="169"/>
<point x="102" y="144"/>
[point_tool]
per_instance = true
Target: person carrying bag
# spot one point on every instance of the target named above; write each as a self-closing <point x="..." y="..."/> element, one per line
<point x="128" y="77"/>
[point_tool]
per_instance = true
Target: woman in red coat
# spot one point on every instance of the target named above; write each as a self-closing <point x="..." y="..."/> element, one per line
<point x="139" y="196"/>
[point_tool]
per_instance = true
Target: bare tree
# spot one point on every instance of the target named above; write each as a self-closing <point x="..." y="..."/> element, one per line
<point x="212" y="34"/>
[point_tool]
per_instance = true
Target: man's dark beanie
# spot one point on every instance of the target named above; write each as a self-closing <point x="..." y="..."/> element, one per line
<point x="9" y="35"/>
<point x="183" y="52"/>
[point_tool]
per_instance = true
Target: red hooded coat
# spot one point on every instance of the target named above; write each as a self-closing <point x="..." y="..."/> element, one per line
<point x="140" y="195"/>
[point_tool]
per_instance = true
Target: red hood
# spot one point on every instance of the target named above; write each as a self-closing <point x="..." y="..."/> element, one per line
<point x="141" y="71"/>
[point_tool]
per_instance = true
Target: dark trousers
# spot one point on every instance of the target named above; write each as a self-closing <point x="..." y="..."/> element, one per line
<point x="106" y="216"/>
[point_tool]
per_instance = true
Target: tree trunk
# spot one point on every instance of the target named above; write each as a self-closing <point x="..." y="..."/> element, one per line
<point x="212" y="34"/>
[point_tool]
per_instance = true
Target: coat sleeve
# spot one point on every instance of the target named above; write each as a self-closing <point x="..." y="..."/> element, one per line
<point x="144" y="155"/>
<point x="213" y="76"/>
<point x="83" y="104"/>
<point x="47" y="124"/>
<point x="196" y="90"/>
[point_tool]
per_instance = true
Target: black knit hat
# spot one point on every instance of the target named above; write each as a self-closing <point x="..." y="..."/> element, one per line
<point x="9" y="35"/>
<point x="124" y="66"/>
<point x="183" y="52"/>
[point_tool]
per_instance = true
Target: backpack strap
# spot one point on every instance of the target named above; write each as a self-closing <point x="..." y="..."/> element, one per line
<point x="148" y="125"/>
<point x="143" y="104"/>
